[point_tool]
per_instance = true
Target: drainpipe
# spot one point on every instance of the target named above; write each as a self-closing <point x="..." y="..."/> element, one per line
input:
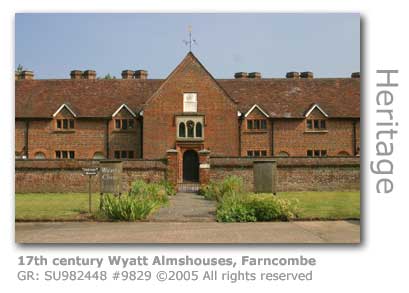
<point x="240" y="123"/>
<point x="354" y="137"/>
<point x="107" y="138"/>
<point x="272" y="137"/>
<point x="27" y="125"/>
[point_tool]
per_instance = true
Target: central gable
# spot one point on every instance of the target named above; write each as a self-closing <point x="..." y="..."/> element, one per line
<point x="190" y="76"/>
<point x="190" y="90"/>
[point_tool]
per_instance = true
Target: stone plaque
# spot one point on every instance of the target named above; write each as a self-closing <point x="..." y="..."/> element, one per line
<point x="111" y="177"/>
<point x="265" y="176"/>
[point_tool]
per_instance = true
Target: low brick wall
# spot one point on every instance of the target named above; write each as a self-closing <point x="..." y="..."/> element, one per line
<point x="66" y="176"/>
<point x="295" y="174"/>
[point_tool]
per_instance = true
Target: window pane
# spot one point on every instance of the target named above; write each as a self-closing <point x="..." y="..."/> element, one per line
<point x="309" y="153"/>
<point x="309" y="124"/>
<point x="117" y="154"/>
<point x="130" y="155"/>
<point x="323" y="153"/>
<point x="249" y="124"/>
<point x="65" y="123"/>
<point x="64" y="154"/>
<point x="123" y="154"/>
<point x="263" y="124"/>
<point x="316" y="124"/>
<point x="131" y="123"/>
<point x="182" y="129"/>
<point x="249" y="153"/>
<point x="124" y="124"/>
<point x="264" y="153"/>
<point x="257" y="153"/>
<point x="117" y="123"/>
<point x="58" y="154"/>
<point x="199" y="129"/>
<point x="72" y="155"/>
<point x="323" y="124"/>
<point x="256" y="124"/>
<point x="58" y="123"/>
<point x="317" y="153"/>
<point x="71" y="123"/>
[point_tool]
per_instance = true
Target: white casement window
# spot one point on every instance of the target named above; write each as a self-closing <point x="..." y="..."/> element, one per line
<point x="189" y="102"/>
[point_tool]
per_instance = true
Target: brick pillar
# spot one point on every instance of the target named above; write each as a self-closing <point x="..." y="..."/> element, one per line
<point x="204" y="167"/>
<point x="172" y="167"/>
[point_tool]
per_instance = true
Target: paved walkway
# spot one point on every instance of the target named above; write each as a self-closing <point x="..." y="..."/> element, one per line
<point x="192" y="232"/>
<point x="187" y="207"/>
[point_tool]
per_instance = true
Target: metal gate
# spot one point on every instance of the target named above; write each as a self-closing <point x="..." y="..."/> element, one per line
<point x="188" y="187"/>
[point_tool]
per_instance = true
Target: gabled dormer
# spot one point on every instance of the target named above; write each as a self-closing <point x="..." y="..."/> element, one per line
<point x="316" y="119"/>
<point x="124" y="118"/>
<point x="256" y="119"/>
<point x="64" y="118"/>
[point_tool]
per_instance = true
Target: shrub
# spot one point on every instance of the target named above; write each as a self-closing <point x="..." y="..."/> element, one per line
<point x="250" y="208"/>
<point x="217" y="190"/>
<point x="142" y="199"/>
<point x="170" y="189"/>
<point x="234" y="208"/>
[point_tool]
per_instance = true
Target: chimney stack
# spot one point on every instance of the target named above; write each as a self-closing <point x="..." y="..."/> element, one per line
<point x="239" y="75"/>
<point x="293" y="75"/>
<point x="254" y="75"/>
<point x="127" y="74"/>
<point x="76" y="74"/>
<point x="307" y="75"/>
<point x="356" y="75"/>
<point x="89" y="74"/>
<point x="24" y="75"/>
<point x="141" y="74"/>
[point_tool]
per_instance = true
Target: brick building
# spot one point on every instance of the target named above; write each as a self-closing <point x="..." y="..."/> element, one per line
<point x="186" y="117"/>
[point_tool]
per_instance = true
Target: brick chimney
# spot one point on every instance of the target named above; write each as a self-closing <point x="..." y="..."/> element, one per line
<point x="307" y="75"/>
<point x="239" y="75"/>
<point x="76" y="74"/>
<point x="25" y="74"/>
<point x="141" y="74"/>
<point x="293" y="75"/>
<point x="254" y="75"/>
<point x="356" y="75"/>
<point x="127" y="74"/>
<point x="89" y="74"/>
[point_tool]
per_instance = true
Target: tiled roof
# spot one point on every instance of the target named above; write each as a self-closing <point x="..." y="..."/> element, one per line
<point x="292" y="98"/>
<point x="280" y="98"/>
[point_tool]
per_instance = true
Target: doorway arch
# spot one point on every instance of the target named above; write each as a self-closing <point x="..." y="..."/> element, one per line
<point x="190" y="166"/>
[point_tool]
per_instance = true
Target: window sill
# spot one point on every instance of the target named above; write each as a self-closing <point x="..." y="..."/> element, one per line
<point x="255" y="131"/>
<point x="316" y="131"/>
<point x="189" y="139"/>
<point x="123" y="130"/>
<point x="65" y="131"/>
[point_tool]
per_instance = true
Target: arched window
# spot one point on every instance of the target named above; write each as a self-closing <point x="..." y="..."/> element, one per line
<point x="182" y="129"/>
<point x="198" y="129"/>
<point x="98" y="156"/>
<point x="343" y="154"/>
<point x="39" y="156"/>
<point x="190" y="128"/>
<point x="283" y="154"/>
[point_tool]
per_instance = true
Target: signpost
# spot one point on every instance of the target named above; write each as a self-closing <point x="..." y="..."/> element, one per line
<point x="89" y="172"/>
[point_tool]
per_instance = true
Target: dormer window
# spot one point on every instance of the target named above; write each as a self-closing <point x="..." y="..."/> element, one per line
<point x="63" y="124"/>
<point x="125" y="124"/>
<point x="255" y="124"/>
<point x="190" y="102"/>
<point x="316" y="124"/>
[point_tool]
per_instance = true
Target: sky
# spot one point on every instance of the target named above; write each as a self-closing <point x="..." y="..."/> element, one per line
<point x="54" y="44"/>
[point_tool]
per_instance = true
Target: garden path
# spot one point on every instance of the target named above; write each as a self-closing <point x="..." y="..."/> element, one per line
<point x="186" y="207"/>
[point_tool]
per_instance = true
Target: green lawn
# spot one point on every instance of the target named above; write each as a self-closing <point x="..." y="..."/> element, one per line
<point x="54" y="206"/>
<point x="74" y="206"/>
<point x="326" y="205"/>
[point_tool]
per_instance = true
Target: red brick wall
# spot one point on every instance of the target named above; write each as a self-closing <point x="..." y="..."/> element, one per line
<point x="20" y="127"/>
<point x="290" y="136"/>
<point x="296" y="174"/>
<point x="255" y="139"/>
<point x="221" y="122"/>
<point x="66" y="176"/>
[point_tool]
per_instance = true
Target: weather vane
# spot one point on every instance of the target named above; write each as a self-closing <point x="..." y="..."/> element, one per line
<point x="191" y="41"/>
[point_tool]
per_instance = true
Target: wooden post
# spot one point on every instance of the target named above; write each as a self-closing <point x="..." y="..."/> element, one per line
<point x="89" y="192"/>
